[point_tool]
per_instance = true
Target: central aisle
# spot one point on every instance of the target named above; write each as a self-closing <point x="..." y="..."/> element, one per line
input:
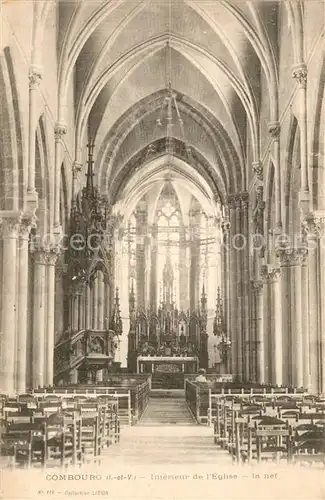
<point x="167" y="435"/>
<point x="167" y="408"/>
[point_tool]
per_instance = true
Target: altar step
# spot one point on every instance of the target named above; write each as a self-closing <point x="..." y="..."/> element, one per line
<point x="167" y="393"/>
<point x="167" y="411"/>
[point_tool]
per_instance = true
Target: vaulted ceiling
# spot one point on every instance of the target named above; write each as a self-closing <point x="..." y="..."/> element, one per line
<point x="123" y="54"/>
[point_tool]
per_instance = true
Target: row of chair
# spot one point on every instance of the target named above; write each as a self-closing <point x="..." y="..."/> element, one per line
<point x="47" y="432"/>
<point x="258" y="429"/>
<point x="132" y="397"/>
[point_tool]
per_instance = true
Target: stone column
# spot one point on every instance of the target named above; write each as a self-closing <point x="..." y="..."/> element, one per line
<point x="274" y="130"/>
<point x="225" y="226"/>
<point x="101" y="298"/>
<point x="81" y="311"/>
<point x="59" y="131"/>
<point x="239" y="276"/>
<point x="141" y="222"/>
<point x="51" y="258"/>
<point x="88" y="306"/>
<point x="35" y="77"/>
<point x="257" y="288"/>
<point x="292" y="258"/>
<point x="10" y="232"/>
<point x="300" y="75"/>
<point x="21" y="348"/>
<point x="313" y="228"/>
<point x="305" y="327"/>
<point x="245" y="288"/>
<point x="233" y="286"/>
<point x="75" y="293"/>
<point x="107" y="305"/>
<point x="40" y="261"/>
<point x="95" y="303"/>
<point x="270" y="276"/>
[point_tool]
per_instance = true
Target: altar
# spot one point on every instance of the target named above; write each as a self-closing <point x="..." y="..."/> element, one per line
<point x="167" y="364"/>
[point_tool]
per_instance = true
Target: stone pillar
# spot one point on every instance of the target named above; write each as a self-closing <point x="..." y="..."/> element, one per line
<point x="51" y="258"/>
<point x="257" y="288"/>
<point x="75" y="307"/>
<point x="286" y="315"/>
<point x="270" y="277"/>
<point x="21" y="354"/>
<point x="88" y="306"/>
<point x="35" y="77"/>
<point x="183" y="272"/>
<point x="101" y="298"/>
<point x="59" y="132"/>
<point x="274" y="130"/>
<point x="107" y="304"/>
<point x="141" y="222"/>
<point x="246" y="289"/>
<point x="305" y="328"/>
<point x="40" y="261"/>
<point x="313" y="228"/>
<point x="292" y="258"/>
<point x="10" y="232"/>
<point x="95" y="303"/>
<point x="300" y="75"/>
<point x="237" y="243"/>
<point x="82" y="309"/>
<point x="225" y="226"/>
<point x="233" y="286"/>
<point x="99" y="376"/>
<point x="296" y="317"/>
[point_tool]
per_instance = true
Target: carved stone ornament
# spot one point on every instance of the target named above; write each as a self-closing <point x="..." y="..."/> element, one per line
<point x="270" y="274"/>
<point x="46" y="256"/>
<point x="10" y="225"/>
<point x="274" y="129"/>
<point x="26" y="224"/>
<point x="313" y="226"/>
<point x="35" y="76"/>
<point x="59" y="131"/>
<point x="257" y="286"/>
<point x="291" y="256"/>
<point x="300" y="75"/>
<point x="258" y="169"/>
<point x="76" y="168"/>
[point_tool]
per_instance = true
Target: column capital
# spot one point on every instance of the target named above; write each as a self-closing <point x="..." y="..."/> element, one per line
<point x="10" y="224"/>
<point x="61" y="270"/>
<point x="274" y="129"/>
<point x="238" y="201"/>
<point x="270" y="274"/>
<point x="60" y="130"/>
<point x="313" y="225"/>
<point x="28" y="221"/>
<point x="225" y="225"/>
<point x="289" y="256"/>
<point x="76" y="168"/>
<point x="257" y="286"/>
<point x="35" y="76"/>
<point x="258" y="169"/>
<point x="46" y="256"/>
<point x="299" y="73"/>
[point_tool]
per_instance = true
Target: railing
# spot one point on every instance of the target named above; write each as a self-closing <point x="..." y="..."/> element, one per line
<point x="132" y="400"/>
<point x="201" y="399"/>
<point x="250" y="393"/>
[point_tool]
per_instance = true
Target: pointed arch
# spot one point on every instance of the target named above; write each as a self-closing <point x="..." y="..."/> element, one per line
<point x="11" y="138"/>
